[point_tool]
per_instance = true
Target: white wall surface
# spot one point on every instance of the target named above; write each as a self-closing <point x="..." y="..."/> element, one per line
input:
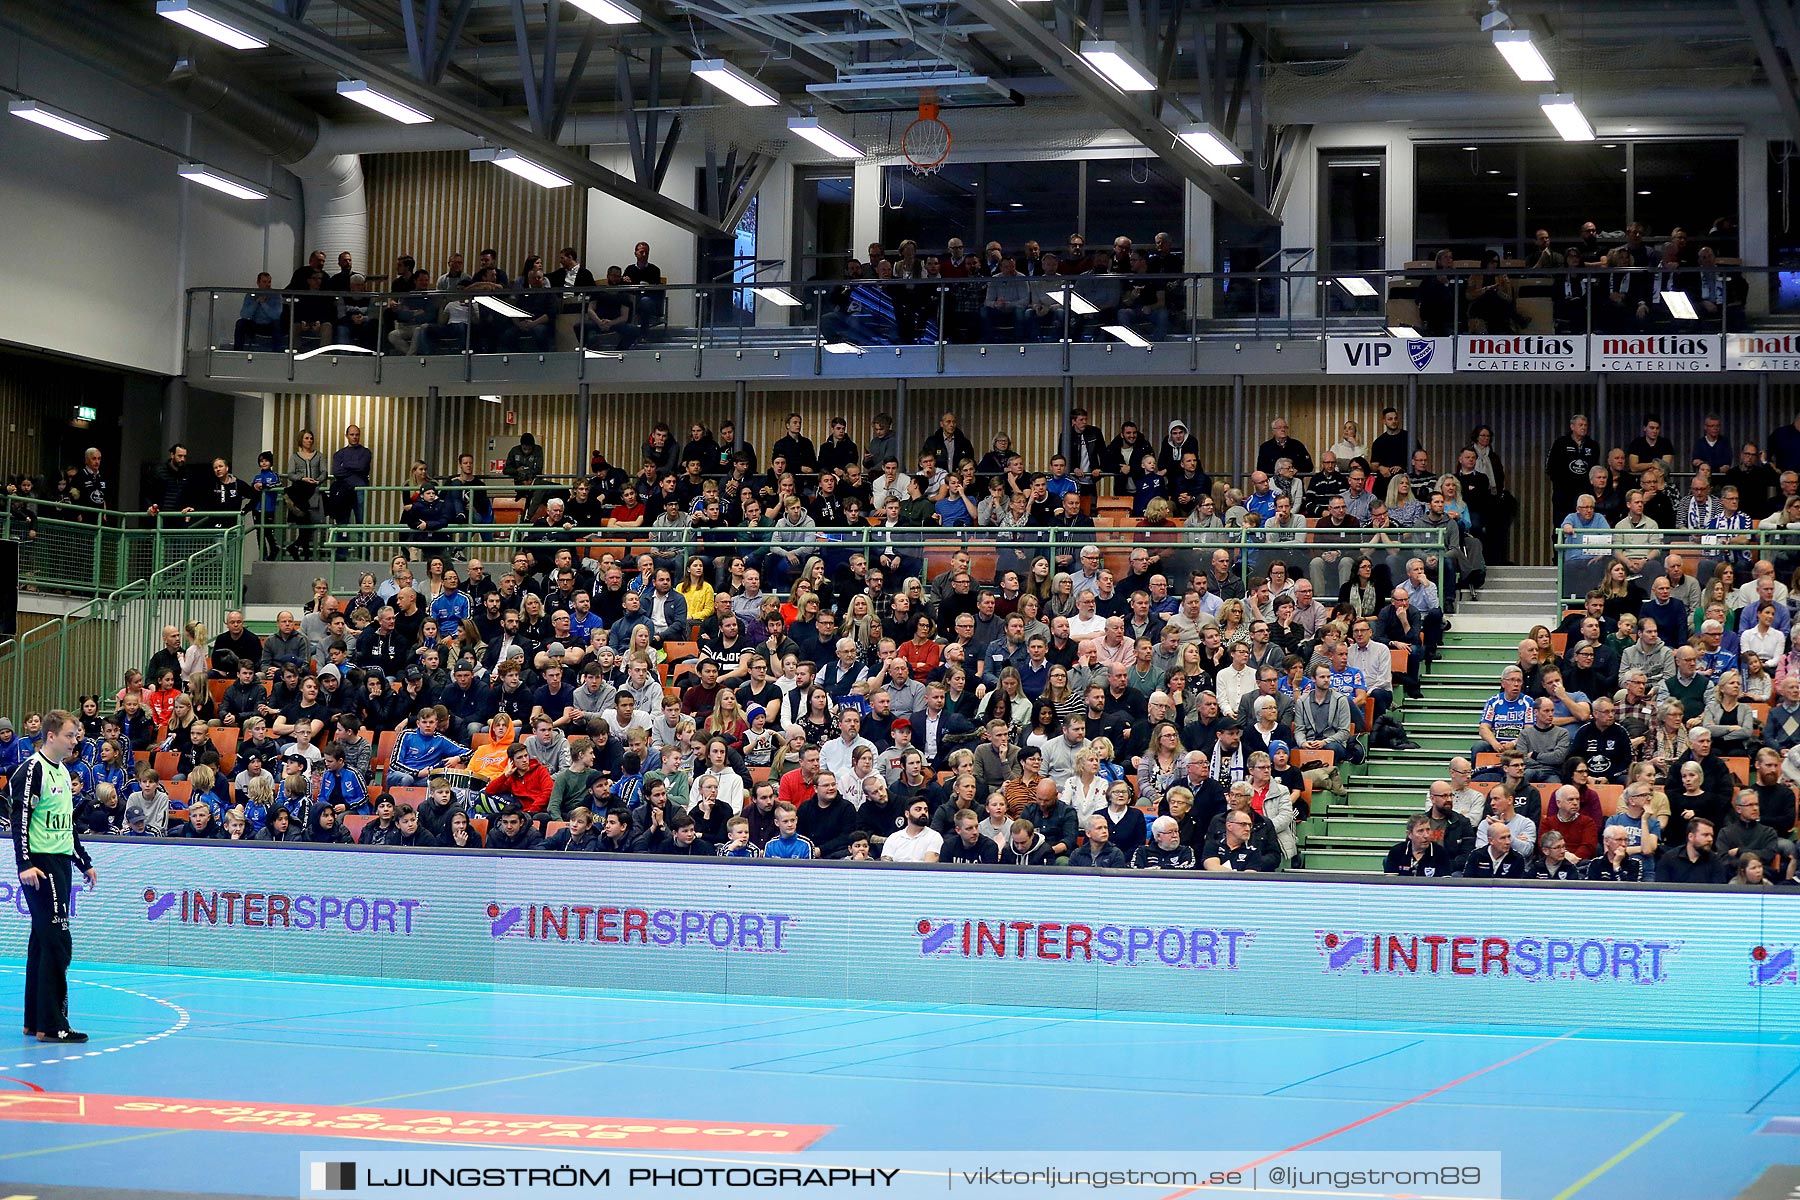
<point x="107" y="235"/>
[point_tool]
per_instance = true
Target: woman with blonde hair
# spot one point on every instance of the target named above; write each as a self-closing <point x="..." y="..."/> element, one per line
<point x="1085" y="790"/>
<point x="1231" y="619"/>
<point x="701" y="600"/>
<point x="1164" y="763"/>
<point x="727" y="719"/>
<point x="860" y="625"/>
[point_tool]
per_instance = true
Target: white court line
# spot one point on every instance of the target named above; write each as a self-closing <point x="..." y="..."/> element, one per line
<point x="664" y="1000"/>
<point x="182" y="1020"/>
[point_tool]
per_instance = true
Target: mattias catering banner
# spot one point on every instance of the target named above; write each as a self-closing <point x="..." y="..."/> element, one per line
<point x="1637" y="958"/>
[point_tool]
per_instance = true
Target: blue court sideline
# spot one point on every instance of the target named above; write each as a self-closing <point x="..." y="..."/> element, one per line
<point x="1577" y="1112"/>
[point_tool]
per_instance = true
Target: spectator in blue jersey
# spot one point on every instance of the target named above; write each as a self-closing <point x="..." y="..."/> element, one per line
<point x="788" y="842"/>
<point x="13" y="748"/>
<point x="339" y="786"/>
<point x="1505" y="716"/>
<point x="420" y="751"/>
<point x="451" y="608"/>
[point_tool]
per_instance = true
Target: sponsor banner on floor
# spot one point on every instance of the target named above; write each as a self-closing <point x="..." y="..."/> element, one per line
<point x="1655" y="353"/>
<point x="1522" y="352"/>
<point x="405" y="1124"/>
<point x="1762" y="352"/>
<point x="1389" y="356"/>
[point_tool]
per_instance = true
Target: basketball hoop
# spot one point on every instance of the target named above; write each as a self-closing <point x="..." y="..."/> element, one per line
<point x="926" y="142"/>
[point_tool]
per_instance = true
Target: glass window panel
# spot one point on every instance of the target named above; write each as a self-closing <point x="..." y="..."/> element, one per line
<point x="1136" y="198"/>
<point x="1567" y="183"/>
<point x="931" y="209"/>
<point x="1028" y="201"/>
<point x="1462" y="199"/>
<point x="1690" y="184"/>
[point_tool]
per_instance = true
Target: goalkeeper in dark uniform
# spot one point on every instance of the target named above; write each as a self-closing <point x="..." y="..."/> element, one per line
<point x="46" y="848"/>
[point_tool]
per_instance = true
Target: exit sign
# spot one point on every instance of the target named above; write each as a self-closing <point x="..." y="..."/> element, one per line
<point x="86" y="412"/>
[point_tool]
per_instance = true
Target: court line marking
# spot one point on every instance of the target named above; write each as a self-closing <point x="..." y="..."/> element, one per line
<point x="1764" y="1098"/>
<point x="1334" y="1070"/>
<point x="1624" y="1153"/>
<point x="182" y="1019"/>
<point x="1392" y="1108"/>
<point x="1789" y="1041"/>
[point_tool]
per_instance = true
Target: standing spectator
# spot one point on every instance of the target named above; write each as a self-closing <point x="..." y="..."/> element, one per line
<point x="1392" y="449"/>
<point x="307" y="472"/>
<point x="1571" y="457"/>
<point x="352" y="467"/>
<point x="650" y="303"/>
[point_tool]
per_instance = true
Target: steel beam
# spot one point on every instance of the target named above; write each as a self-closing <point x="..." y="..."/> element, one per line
<point x="1772" y="64"/>
<point x="307" y="42"/>
<point x="1158" y="136"/>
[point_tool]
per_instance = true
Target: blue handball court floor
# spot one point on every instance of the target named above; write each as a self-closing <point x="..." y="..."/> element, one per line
<point x="1575" y="1112"/>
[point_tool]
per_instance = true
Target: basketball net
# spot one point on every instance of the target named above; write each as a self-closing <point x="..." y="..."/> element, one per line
<point x="926" y="142"/>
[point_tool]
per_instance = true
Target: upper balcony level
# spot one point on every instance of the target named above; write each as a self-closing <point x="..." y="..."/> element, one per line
<point x="1418" y="321"/>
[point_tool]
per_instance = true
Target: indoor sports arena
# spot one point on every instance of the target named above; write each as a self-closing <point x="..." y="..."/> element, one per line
<point x="1210" y="592"/>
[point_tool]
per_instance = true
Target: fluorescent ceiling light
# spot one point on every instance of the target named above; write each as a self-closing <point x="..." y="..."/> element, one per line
<point x="1211" y="145"/>
<point x="842" y="348"/>
<point x="360" y="91"/>
<point x="602" y="354"/>
<point x="1356" y="285"/>
<point x="1078" y="303"/>
<point x="1565" y="114"/>
<point x="491" y="399"/>
<point x="734" y="83"/>
<point x="1117" y="67"/>
<point x="609" y="12"/>
<point x="334" y="348"/>
<point x="1680" y="306"/>
<point x="49" y="118"/>
<point x="183" y="13"/>
<point x="776" y="295"/>
<point x="1522" y="55"/>
<point x="219" y="181"/>
<point x="1402" y="331"/>
<point x="1128" y="335"/>
<point x="524" y="168"/>
<point x="810" y="129"/>
<point x="502" y="307"/>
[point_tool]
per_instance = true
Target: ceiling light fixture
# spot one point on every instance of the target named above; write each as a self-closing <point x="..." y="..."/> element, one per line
<point x="778" y="295"/>
<point x="219" y="181"/>
<point x="1078" y="303"/>
<point x="42" y="114"/>
<point x="1680" y="306"/>
<point x="359" y="91"/>
<point x="1128" y="335"/>
<point x="609" y="12"/>
<point x="495" y="304"/>
<point x="1565" y="114"/>
<point x="1402" y="331"/>
<point x="842" y="348"/>
<point x="1111" y="61"/>
<point x="492" y="399"/>
<point x="1210" y="145"/>
<point x="185" y="14"/>
<point x="1356" y="285"/>
<point x="734" y="83"/>
<point x="334" y="348"/>
<point x="524" y="168"/>
<point x="1522" y="55"/>
<point x="838" y="147"/>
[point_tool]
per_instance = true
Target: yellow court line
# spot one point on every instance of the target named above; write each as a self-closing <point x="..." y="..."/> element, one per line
<point x="133" y="1137"/>
<point x="1618" y="1158"/>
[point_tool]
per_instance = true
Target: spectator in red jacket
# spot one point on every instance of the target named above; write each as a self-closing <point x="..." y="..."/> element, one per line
<point x="525" y="780"/>
<point x="1581" y="836"/>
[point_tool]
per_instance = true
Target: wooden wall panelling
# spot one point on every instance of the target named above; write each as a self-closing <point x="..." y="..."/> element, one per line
<point x="393" y="430"/>
<point x="430" y="204"/>
<point x="1206" y="408"/>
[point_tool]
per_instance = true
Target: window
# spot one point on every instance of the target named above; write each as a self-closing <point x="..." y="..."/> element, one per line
<point x="1472" y="197"/>
<point x="1136" y="198"/>
<point x="931" y="209"/>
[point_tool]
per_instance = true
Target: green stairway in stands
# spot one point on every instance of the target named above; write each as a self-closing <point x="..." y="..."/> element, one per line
<point x="1353" y="834"/>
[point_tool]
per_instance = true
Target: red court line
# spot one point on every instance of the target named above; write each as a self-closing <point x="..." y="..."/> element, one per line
<point x="1376" y="1116"/>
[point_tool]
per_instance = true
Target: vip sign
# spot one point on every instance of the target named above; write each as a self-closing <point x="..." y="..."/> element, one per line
<point x="1654" y="352"/>
<point x="1521" y="352"/>
<point x="1762" y="352"/>
<point x="1389" y="356"/>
